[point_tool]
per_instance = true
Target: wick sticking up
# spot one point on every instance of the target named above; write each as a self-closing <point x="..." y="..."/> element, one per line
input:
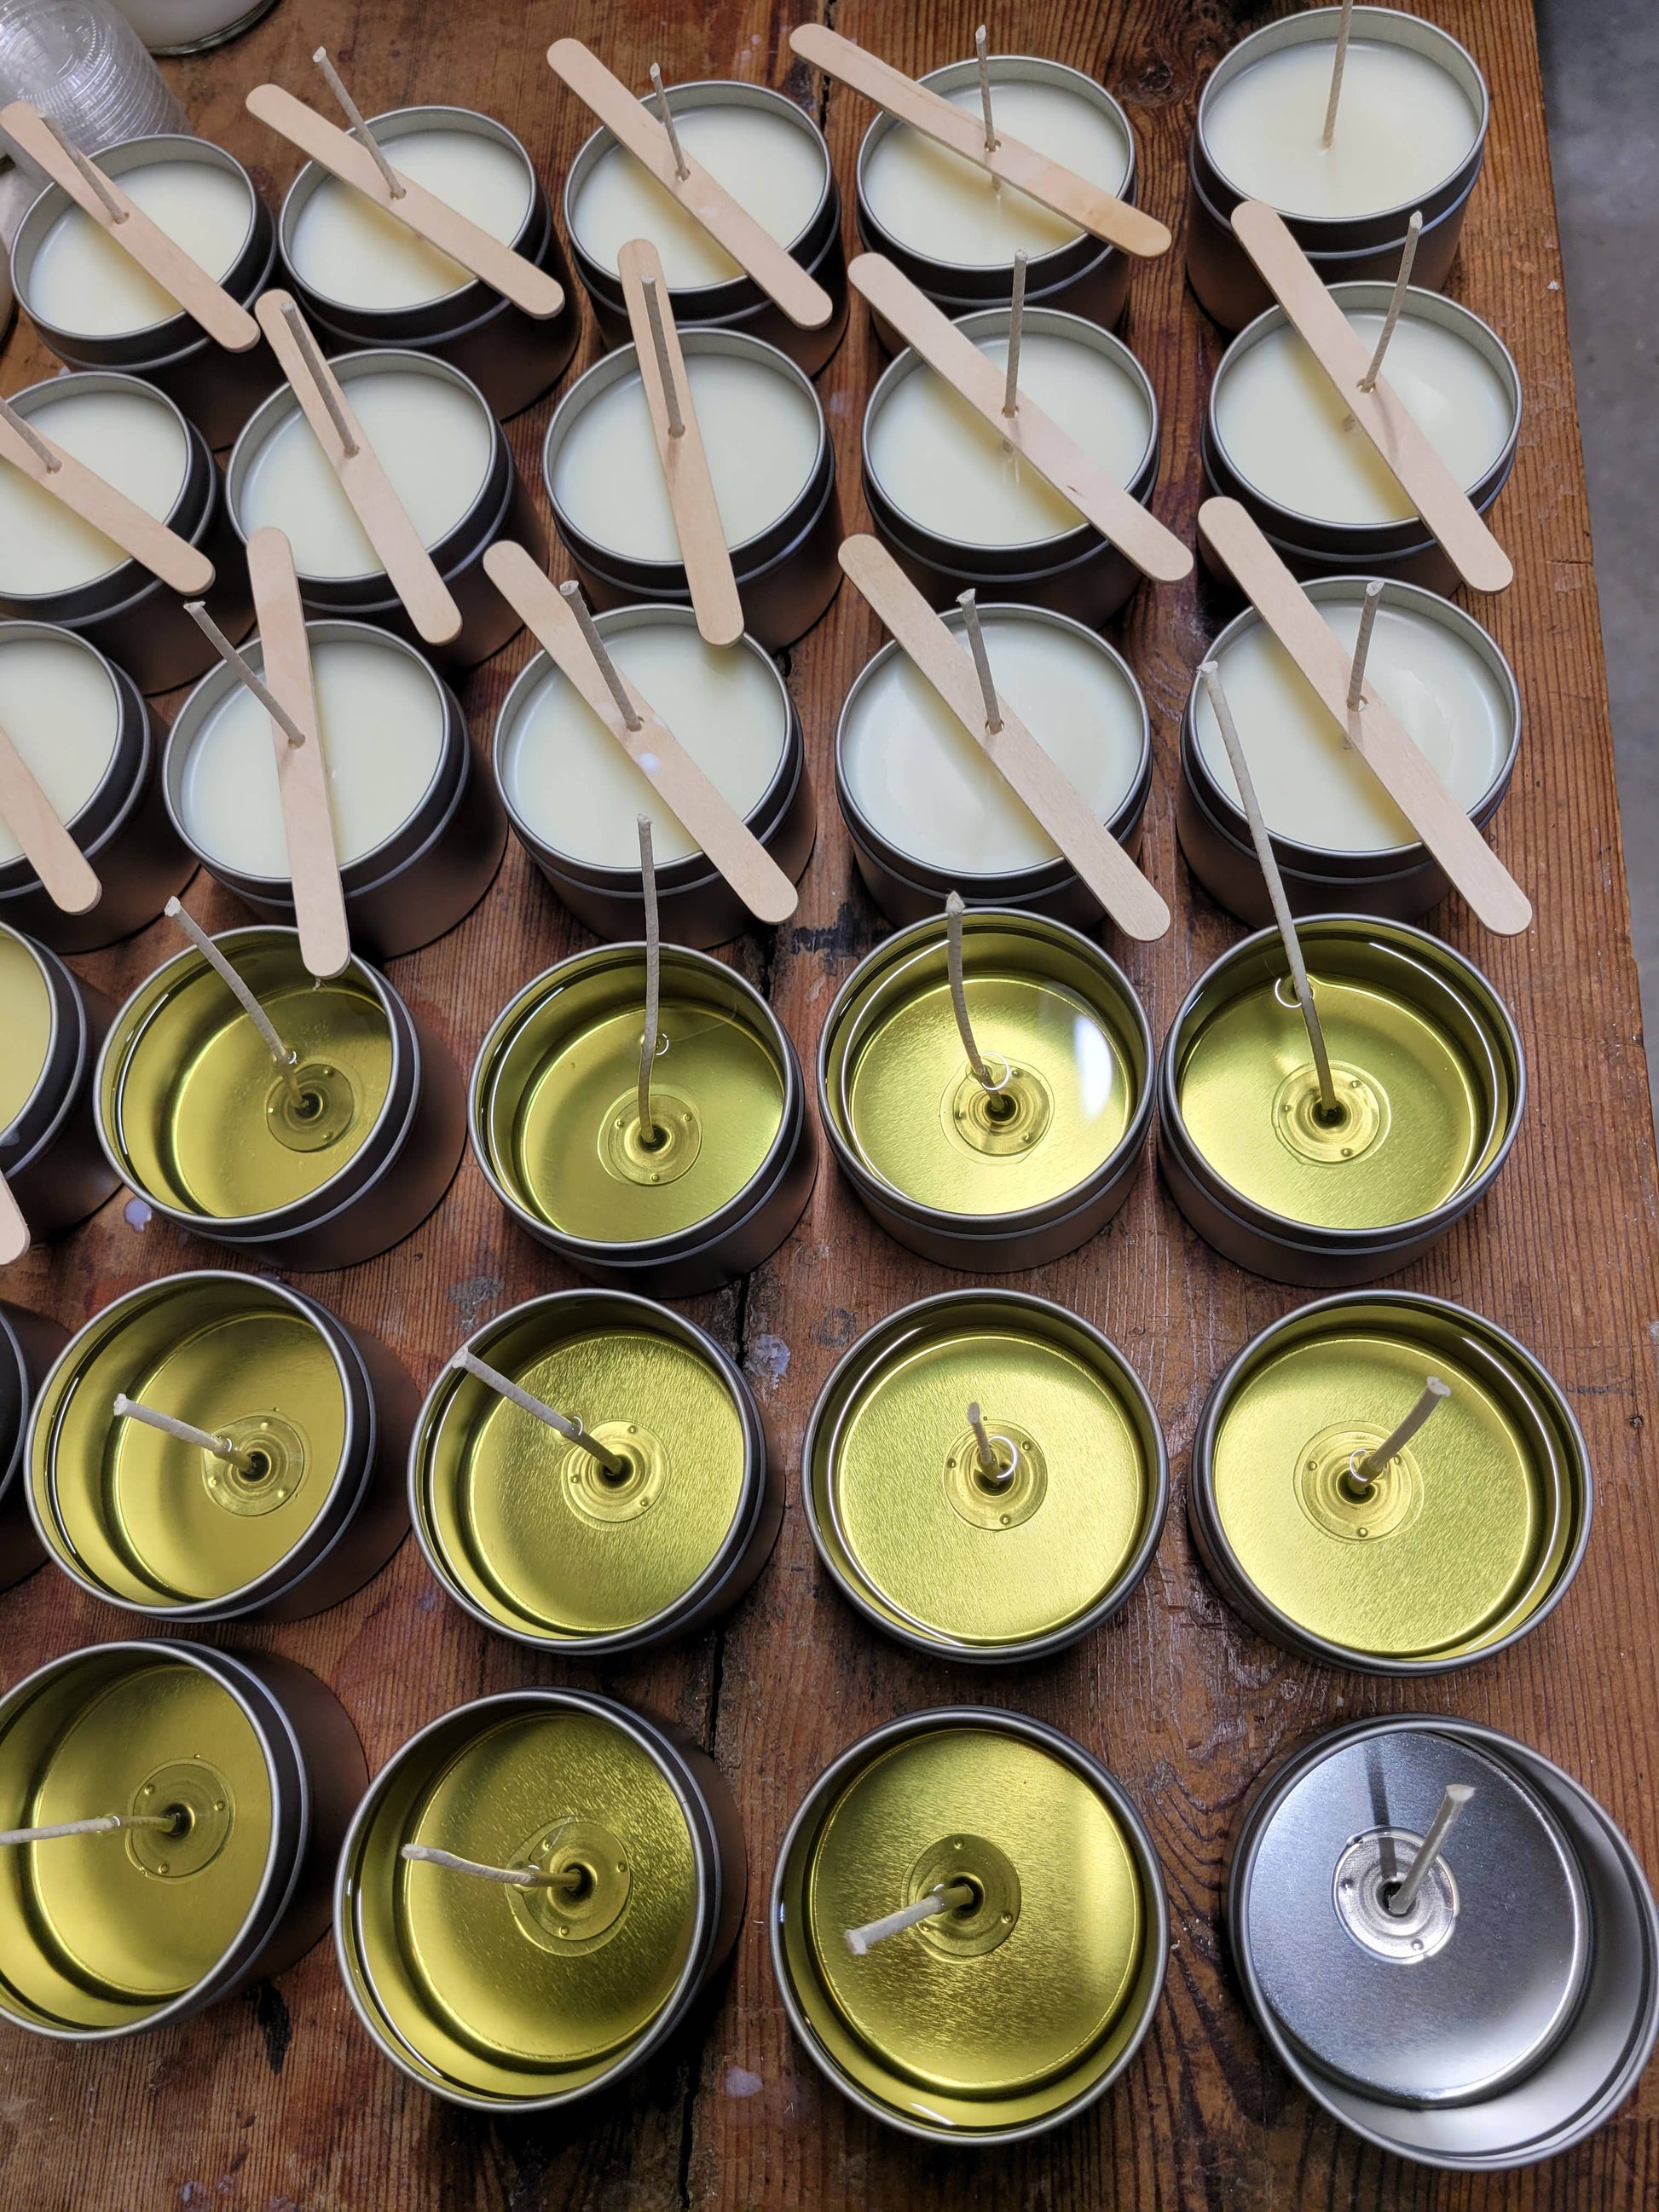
<point x="947" y="1897"/>
<point x="93" y="175"/>
<point x="571" y="593"/>
<point x="242" y="670"/>
<point x="394" y="183"/>
<point x="650" y="1135"/>
<point x="286" y="1061"/>
<point x="682" y="167"/>
<point x="1339" y="64"/>
<point x="1365" y="1473"/>
<point x="982" y="57"/>
<point x="300" y="331"/>
<point x="185" y="1433"/>
<point x="564" y="1424"/>
<point x="1016" y="326"/>
<point x="671" y="398"/>
<point x="968" y="603"/>
<point x="1362" y="644"/>
<point x="1457" y="1795"/>
<point x="954" y="910"/>
<point x="990" y="1465"/>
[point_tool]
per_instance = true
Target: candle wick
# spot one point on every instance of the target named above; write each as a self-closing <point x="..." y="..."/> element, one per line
<point x="632" y="718"/>
<point x="563" y="1424"/>
<point x="949" y="1897"/>
<point x="31" y="437"/>
<point x="1362" y="644"/>
<point x="322" y="378"/>
<point x="286" y="1060"/>
<point x="649" y="1134"/>
<point x="93" y="175"/>
<point x="565" y="1878"/>
<point x="242" y="670"/>
<point x="394" y="183"/>
<point x="1339" y="64"/>
<point x="969" y="602"/>
<point x="990" y="1466"/>
<point x="671" y="398"/>
<point x="954" y="910"/>
<point x="1367" y="1472"/>
<point x="1457" y="1795"/>
<point x="1016" y="326"/>
<point x="682" y="167"/>
<point x="983" y="58"/>
<point x="1396" y="303"/>
<point x="185" y="1432"/>
<point x="104" y="1824"/>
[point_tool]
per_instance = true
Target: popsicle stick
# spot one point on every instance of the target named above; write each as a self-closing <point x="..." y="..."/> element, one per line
<point x="1036" y="437"/>
<point x="1090" y="209"/>
<point x="727" y="221"/>
<point x="1442" y="501"/>
<point x="1029" y="771"/>
<point x="488" y="258"/>
<point x="654" y="750"/>
<point x="204" y="300"/>
<point x="15" y="1239"/>
<point x="365" y="484"/>
<point x="697" y="522"/>
<point x="138" y="534"/>
<point x="64" y="872"/>
<point x="1384" y="746"/>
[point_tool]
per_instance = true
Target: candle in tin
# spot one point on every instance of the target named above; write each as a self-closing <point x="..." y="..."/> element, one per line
<point x="29" y="1342"/>
<point x="533" y="1892"/>
<point x="969" y="1926"/>
<point x="52" y="1023"/>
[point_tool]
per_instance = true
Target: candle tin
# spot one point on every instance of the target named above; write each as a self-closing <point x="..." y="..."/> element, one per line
<point x="415" y="885"/>
<point x="737" y="1171"/>
<point x="50" y="1152"/>
<point x="1004" y="2017"/>
<point x="507" y="2000"/>
<point x="908" y="889"/>
<point x="786" y="574"/>
<point x="538" y="1539"/>
<point x="1316" y="545"/>
<point x="1238" y="1049"/>
<point x="1226" y="281"/>
<point x="739" y="304"/>
<point x="166" y="1530"/>
<point x="1086" y="276"/>
<point x="1466" y="1541"/>
<point x="1080" y="574"/>
<point x="938" y="1554"/>
<point x="1400" y="883"/>
<point x="503" y="508"/>
<point x="512" y="357"/>
<point x="30" y="1343"/>
<point x="104" y="1935"/>
<point x="213" y="386"/>
<point x="127" y="613"/>
<point x="696" y="905"/>
<point x="1476" y="2035"/>
<point x="193" y="1116"/>
<point x="922" y="1144"/>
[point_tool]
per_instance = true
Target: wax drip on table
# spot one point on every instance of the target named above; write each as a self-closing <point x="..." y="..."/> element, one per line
<point x="564" y="1424"/>
<point x="185" y="1432"/>
<point x="949" y="1897"/>
<point x="954" y="910"/>
<point x="286" y="1061"/>
<point x="394" y="183"/>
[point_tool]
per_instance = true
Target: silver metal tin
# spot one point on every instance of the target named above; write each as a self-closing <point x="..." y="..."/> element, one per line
<point x="1223" y="276"/>
<point x="127" y="613"/>
<point x="503" y="508"/>
<point x="787" y="575"/>
<point x="420" y="882"/>
<point x="1400" y="884"/>
<point x="1080" y="574"/>
<point x="1087" y="277"/>
<point x="1452" y="990"/>
<point x="30" y="1343"/>
<point x="739" y="304"/>
<point x="721" y="1878"/>
<point x="390" y="1184"/>
<point x="908" y="890"/>
<point x="696" y="904"/>
<point x="212" y="384"/>
<point x="50" y="1155"/>
<point x="351" y="1538"/>
<point x="1598" y="2053"/>
<point x="317" y="1774"/>
<point x="512" y="357"/>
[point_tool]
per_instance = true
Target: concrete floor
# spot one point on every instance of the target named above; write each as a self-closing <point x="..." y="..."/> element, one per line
<point x="1600" y="79"/>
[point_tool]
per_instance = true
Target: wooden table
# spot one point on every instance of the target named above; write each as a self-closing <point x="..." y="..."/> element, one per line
<point x="277" y="2100"/>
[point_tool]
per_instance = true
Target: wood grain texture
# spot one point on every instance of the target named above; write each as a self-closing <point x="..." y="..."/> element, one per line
<point x="277" y="2102"/>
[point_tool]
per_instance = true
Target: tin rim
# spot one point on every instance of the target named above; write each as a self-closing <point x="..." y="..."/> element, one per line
<point x="16" y="1365"/>
<point x="113" y="798"/>
<point x="38" y="954"/>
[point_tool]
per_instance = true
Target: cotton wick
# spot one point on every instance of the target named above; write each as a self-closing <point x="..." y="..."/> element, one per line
<point x="954" y="910"/>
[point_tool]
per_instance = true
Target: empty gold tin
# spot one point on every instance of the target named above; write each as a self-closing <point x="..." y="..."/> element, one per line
<point x="988" y="1182"/>
<point x="254" y="1766"/>
<point x="52" y="1023"/>
<point x="29" y="1345"/>
<point x="514" y="1999"/>
<point x="557" y="1129"/>
<point x="1010" y="2012"/>
<point x="319" y="1414"/>
<point x="1429" y="1072"/>
<point x="195" y="1114"/>
<point x="539" y="1539"/>
<point x="970" y="1562"/>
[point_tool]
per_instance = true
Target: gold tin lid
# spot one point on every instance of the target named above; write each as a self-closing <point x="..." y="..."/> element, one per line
<point x="993" y="1563"/>
<point x="1005" y="2013"/>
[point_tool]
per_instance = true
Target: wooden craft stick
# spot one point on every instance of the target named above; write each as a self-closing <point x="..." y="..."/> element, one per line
<point x="14" y="1238"/>
<point x="654" y="750"/>
<point x="139" y="535"/>
<point x="1099" y="213"/>
<point x="1036" y="437"/>
<point x="65" y="873"/>
<point x="697" y="522"/>
<point x="1029" y="771"/>
<point x="1384" y="746"/>
<point x="727" y="221"/>
<point x="202" y="298"/>
<point x="365" y="484"/>
<point x="1341" y="352"/>
<point x="488" y="258"/>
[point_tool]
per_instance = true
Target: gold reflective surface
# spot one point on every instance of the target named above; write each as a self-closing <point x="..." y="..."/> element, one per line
<point x="25" y="1026"/>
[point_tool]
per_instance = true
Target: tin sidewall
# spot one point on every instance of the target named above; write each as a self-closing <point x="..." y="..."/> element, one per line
<point x="64" y="1175"/>
<point x="29" y="1343"/>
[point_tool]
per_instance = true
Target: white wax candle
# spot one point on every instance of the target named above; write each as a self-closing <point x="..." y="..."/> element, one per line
<point x="760" y="431"/>
<point x="925" y="786"/>
<point x="940" y="463"/>
<point x="1314" y="789"/>
<point x="575" y="789"/>
<point x="25" y="1014"/>
<point x="382" y="718"/>
<point x="1281" y="424"/>
<point x="346" y="248"/>
<point x="132" y="439"/>
<point x="1403" y="125"/>
<point x="81" y="280"/>
<point x="433" y="438"/>
<point x="937" y="203"/>
<point x="769" y="164"/>
<point x="59" y="709"/>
